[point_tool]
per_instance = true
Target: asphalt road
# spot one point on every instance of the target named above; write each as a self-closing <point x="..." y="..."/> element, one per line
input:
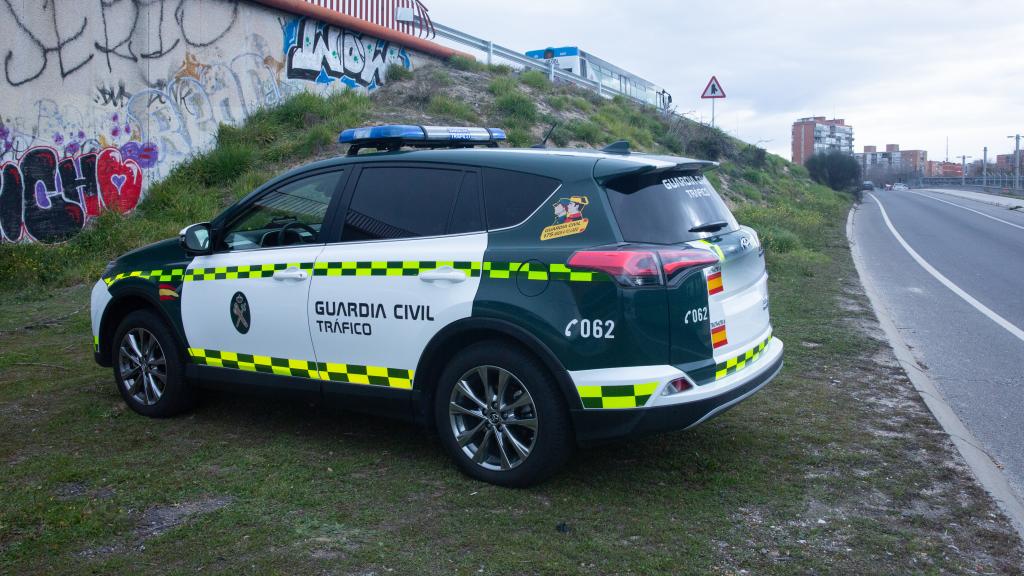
<point x="967" y="332"/>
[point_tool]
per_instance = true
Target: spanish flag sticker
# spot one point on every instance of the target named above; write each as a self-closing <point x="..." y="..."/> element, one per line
<point x="715" y="281"/>
<point x="168" y="292"/>
<point x="718" y="337"/>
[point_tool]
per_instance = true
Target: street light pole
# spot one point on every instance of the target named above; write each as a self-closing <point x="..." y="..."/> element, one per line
<point x="963" y="170"/>
<point x="1016" y="162"/>
<point x="984" y="169"/>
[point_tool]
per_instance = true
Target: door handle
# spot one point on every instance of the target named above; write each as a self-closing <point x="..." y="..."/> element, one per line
<point x="291" y="274"/>
<point x="443" y="274"/>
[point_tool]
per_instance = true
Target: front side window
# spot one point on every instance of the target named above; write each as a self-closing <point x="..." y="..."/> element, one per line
<point x="402" y="202"/>
<point x="291" y="215"/>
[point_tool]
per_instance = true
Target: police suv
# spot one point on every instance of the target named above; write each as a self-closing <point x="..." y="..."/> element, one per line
<point x="519" y="301"/>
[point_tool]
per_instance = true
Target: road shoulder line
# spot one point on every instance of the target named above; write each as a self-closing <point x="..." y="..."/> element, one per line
<point x="980" y="463"/>
<point x="991" y="314"/>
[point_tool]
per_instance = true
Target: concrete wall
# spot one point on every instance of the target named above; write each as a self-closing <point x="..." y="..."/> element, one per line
<point x="100" y="98"/>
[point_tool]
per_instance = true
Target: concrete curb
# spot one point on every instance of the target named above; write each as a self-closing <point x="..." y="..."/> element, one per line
<point x="985" y="470"/>
<point x="990" y="199"/>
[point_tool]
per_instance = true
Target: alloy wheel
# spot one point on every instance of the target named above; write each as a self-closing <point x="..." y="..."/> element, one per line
<point x="493" y="418"/>
<point x="143" y="366"/>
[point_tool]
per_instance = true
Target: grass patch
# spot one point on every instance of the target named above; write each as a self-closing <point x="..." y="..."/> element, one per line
<point x="517" y="109"/>
<point x="466" y="64"/>
<point x="535" y="79"/>
<point x="502" y="85"/>
<point x="559" y="102"/>
<point x="397" y="73"/>
<point x="448" y="107"/>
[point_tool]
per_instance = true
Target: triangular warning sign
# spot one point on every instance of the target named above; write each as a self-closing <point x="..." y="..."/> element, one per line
<point x="713" y="89"/>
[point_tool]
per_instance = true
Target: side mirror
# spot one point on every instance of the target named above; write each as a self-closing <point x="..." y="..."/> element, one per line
<point x="195" y="239"/>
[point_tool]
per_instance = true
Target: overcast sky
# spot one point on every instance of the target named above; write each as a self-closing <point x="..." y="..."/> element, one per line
<point x="906" y="72"/>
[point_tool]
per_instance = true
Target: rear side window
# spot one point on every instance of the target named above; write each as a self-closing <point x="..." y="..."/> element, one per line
<point x="510" y="197"/>
<point x="401" y="202"/>
<point x="468" y="214"/>
<point x="662" y="208"/>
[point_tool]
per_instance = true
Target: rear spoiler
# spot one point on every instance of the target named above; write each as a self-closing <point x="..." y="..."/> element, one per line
<point x="611" y="168"/>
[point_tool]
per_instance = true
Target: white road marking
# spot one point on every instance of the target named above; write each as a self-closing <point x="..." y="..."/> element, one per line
<point x="946" y="281"/>
<point x="968" y="209"/>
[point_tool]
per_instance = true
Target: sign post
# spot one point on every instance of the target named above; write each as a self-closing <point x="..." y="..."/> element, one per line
<point x="713" y="91"/>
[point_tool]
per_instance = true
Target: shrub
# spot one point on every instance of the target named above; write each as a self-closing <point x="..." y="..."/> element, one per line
<point x="502" y="85"/>
<point x="466" y="63"/>
<point x="584" y="131"/>
<point x="517" y="109"/>
<point x="834" y="169"/>
<point x="582" y="104"/>
<point x="519" y="137"/>
<point x="397" y="73"/>
<point x="558" y="102"/>
<point x="535" y="79"/>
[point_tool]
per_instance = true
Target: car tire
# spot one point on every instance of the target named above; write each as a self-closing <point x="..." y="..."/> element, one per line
<point x="487" y="435"/>
<point x="149" y="367"/>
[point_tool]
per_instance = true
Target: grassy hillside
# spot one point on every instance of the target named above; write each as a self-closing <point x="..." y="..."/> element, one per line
<point x="526" y="105"/>
<point x="835" y="467"/>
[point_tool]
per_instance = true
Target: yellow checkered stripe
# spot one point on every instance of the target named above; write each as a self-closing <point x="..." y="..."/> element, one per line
<point x="95" y="343"/>
<point x="617" y="396"/>
<point x="495" y="270"/>
<point x="351" y="373"/>
<point x="404" y="268"/>
<point x="170" y="275"/>
<point x="373" y="375"/>
<point x="242" y="272"/>
<point x="738" y="363"/>
<point x="538" y="271"/>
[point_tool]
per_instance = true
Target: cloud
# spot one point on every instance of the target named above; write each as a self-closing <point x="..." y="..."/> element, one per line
<point x="908" y="72"/>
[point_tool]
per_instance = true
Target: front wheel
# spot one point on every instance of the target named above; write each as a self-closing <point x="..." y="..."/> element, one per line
<point x="148" y="367"/>
<point x="500" y="416"/>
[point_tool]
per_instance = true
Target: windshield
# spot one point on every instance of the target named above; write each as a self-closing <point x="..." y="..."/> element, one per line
<point x="663" y="207"/>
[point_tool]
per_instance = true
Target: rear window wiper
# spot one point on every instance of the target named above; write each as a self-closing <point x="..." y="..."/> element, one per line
<point x="710" y="226"/>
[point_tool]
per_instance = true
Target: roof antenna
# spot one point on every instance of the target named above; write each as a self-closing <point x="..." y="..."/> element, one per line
<point x="544" y="142"/>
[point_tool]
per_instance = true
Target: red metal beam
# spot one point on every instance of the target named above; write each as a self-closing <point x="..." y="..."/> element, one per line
<point x="303" y="8"/>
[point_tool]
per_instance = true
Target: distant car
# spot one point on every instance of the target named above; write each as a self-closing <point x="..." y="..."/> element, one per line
<point x="900" y="186"/>
<point x="888" y="186"/>
<point x="868" y="186"/>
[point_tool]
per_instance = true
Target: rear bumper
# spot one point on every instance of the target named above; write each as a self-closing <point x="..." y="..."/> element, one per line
<point x="594" y="426"/>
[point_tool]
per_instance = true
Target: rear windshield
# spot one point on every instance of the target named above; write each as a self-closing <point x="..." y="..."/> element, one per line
<point x="662" y="208"/>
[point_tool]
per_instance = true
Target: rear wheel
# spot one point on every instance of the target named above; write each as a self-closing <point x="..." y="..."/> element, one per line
<point x="501" y="417"/>
<point x="149" y="368"/>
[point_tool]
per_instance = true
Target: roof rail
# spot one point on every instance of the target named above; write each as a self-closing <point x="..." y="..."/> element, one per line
<point x="393" y="137"/>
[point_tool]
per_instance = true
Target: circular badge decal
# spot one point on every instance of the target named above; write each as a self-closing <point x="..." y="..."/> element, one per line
<point x="240" y="315"/>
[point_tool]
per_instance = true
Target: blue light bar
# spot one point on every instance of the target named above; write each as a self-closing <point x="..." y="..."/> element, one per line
<point x="394" y="136"/>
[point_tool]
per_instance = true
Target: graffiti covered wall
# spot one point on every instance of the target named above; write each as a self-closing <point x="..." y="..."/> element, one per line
<point x="100" y="98"/>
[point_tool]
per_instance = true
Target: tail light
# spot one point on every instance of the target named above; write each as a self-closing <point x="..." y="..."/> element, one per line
<point x="637" y="267"/>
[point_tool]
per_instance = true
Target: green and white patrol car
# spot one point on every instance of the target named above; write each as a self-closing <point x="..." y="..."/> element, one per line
<point x="519" y="301"/>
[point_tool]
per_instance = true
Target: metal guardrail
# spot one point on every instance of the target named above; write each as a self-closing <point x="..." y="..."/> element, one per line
<point x="995" y="181"/>
<point x="494" y="52"/>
